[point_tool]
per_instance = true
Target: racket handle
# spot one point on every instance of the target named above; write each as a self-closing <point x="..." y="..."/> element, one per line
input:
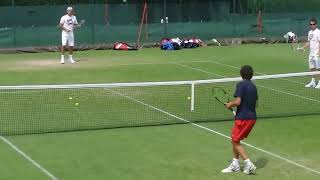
<point x="234" y="113"/>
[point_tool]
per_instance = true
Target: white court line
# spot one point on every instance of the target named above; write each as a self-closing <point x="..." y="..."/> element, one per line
<point x="216" y="132"/>
<point x="236" y="67"/>
<point x="276" y="90"/>
<point x="46" y="172"/>
<point x="152" y="63"/>
<point x="197" y="69"/>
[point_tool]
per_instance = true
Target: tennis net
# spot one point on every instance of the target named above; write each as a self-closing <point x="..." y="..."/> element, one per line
<point x="60" y="108"/>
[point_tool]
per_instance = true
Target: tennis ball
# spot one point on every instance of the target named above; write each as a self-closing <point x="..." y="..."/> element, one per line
<point x="77" y="104"/>
<point x="70" y="98"/>
<point x="189" y="97"/>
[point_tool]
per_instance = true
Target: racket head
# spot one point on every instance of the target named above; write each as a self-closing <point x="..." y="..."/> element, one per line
<point x="220" y="95"/>
<point x="82" y="21"/>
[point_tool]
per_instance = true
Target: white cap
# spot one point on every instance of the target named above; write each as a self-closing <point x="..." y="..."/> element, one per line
<point x="69" y="9"/>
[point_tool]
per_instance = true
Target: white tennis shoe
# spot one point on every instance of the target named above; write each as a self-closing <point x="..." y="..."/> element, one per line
<point x="249" y="168"/>
<point x="318" y="86"/>
<point x="231" y="168"/>
<point x="311" y="85"/>
<point x="72" y="61"/>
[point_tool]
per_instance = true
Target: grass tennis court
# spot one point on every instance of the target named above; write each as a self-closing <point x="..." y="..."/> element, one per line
<point x="183" y="151"/>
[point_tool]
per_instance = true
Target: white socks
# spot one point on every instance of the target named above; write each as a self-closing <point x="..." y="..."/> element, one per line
<point x="247" y="161"/>
<point x="235" y="161"/>
<point x="313" y="81"/>
<point x="70" y="59"/>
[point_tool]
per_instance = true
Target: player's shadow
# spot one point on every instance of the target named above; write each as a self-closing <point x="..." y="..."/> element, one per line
<point x="261" y="162"/>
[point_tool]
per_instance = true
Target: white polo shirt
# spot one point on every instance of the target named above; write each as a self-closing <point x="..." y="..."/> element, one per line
<point x="314" y="39"/>
<point x="68" y="22"/>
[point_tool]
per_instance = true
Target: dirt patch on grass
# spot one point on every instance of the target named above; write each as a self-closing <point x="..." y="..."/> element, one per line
<point x="43" y="64"/>
<point x="46" y="64"/>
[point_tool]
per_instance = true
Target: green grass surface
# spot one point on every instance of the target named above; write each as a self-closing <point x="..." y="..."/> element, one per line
<point x="158" y="152"/>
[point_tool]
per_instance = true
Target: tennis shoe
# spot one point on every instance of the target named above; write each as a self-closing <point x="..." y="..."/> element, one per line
<point x="72" y="61"/>
<point x="249" y="168"/>
<point x="231" y="168"/>
<point x="310" y="85"/>
<point x="318" y="86"/>
<point x="62" y="61"/>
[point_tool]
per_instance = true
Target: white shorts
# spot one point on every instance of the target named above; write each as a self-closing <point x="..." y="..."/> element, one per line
<point x="314" y="62"/>
<point x="67" y="38"/>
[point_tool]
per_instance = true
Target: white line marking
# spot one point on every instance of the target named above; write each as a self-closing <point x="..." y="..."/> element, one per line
<point x="197" y="69"/>
<point x="290" y="94"/>
<point x="51" y="176"/>
<point x="236" y="67"/>
<point x="152" y="63"/>
<point x="283" y="92"/>
<point x="216" y="132"/>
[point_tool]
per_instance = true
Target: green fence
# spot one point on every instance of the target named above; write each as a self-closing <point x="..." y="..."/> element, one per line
<point x="24" y="26"/>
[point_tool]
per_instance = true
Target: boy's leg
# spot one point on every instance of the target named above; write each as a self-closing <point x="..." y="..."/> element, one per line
<point x="239" y="150"/>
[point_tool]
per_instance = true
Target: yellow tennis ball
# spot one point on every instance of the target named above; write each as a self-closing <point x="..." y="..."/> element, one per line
<point x="189" y="97"/>
<point x="70" y="98"/>
<point x="77" y="104"/>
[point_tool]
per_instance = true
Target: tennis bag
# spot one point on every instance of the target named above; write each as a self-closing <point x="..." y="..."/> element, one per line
<point x="170" y="44"/>
<point x="192" y="43"/>
<point x="166" y="44"/>
<point x="123" y="46"/>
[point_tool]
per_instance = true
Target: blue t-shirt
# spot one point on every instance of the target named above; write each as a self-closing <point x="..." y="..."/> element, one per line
<point x="247" y="91"/>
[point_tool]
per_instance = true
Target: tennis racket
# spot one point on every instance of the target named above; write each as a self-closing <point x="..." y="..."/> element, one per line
<point x="221" y="96"/>
<point x="81" y="23"/>
<point x="300" y="48"/>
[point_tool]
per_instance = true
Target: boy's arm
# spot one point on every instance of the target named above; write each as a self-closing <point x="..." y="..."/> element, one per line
<point x="234" y="103"/>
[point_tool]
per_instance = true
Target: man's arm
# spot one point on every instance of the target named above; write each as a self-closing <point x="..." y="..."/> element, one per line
<point x="75" y="23"/>
<point x="234" y="103"/>
<point x="63" y="28"/>
<point x="61" y="25"/>
<point x="306" y="45"/>
<point x="318" y="42"/>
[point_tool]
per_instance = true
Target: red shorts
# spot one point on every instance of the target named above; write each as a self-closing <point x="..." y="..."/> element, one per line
<point x="241" y="129"/>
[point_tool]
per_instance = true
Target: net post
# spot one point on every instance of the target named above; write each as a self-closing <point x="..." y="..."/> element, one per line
<point x="192" y="97"/>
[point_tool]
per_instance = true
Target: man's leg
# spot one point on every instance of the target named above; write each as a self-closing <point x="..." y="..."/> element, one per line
<point x="71" y="45"/>
<point x="317" y="77"/>
<point x="312" y="83"/>
<point x="312" y="66"/>
<point x="64" y="42"/>
<point x="62" y="55"/>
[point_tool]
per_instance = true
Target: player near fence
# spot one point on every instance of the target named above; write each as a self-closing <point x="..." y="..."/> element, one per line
<point x="314" y="45"/>
<point x="67" y="24"/>
<point x="246" y="97"/>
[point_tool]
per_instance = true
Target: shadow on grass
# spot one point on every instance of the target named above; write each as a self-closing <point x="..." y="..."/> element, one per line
<point x="261" y="162"/>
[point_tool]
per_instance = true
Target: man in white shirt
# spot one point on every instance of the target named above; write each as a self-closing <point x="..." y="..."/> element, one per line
<point x="67" y="24"/>
<point x="314" y="45"/>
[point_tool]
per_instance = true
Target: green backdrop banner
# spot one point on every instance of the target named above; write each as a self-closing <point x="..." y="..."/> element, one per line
<point x="29" y="26"/>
